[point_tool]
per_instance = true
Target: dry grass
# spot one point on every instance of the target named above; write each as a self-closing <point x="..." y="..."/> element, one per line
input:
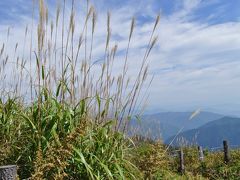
<point x="60" y="117"/>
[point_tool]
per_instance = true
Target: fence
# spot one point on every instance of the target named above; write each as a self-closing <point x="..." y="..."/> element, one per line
<point x="226" y="155"/>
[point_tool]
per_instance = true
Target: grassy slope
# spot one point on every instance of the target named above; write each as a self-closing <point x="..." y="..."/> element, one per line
<point x="71" y="125"/>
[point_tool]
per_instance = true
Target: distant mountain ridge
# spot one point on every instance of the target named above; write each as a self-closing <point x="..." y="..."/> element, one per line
<point x="166" y="124"/>
<point x="211" y="134"/>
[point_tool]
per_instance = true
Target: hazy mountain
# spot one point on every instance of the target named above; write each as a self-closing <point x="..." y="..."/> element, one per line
<point x="212" y="134"/>
<point x="167" y="124"/>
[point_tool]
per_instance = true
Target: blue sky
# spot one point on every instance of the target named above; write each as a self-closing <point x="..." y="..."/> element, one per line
<point x="210" y="11"/>
<point x="196" y="63"/>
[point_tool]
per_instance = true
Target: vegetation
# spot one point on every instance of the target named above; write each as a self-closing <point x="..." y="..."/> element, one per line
<point x="65" y="116"/>
<point x="156" y="162"/>
<point x="64" y="144"/>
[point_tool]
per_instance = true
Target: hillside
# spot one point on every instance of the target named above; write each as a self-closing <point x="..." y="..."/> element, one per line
<point x="212" y="134"/>
<point x="167" y="124"/>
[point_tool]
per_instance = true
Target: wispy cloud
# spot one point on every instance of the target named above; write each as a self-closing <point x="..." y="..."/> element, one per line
<point x="195" y="63"/>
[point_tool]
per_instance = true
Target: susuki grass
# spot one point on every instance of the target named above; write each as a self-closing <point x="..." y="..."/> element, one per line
<point x="65" y="114"/>
<point x="62" y="114"/>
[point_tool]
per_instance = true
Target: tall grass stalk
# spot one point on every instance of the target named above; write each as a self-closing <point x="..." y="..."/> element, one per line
<point x="64" y="117"/>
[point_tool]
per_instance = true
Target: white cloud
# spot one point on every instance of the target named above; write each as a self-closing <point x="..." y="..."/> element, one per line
<point x="195" y="64"/>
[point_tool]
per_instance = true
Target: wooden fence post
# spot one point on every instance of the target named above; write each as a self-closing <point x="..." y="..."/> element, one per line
<point x="8" y="172"/>
<point x="201" y="156"/>
<point x="181" y="162"/>
<point x="226" y="152"/>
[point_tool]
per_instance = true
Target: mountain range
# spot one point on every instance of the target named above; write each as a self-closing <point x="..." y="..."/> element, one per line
<point x="211" y="134"/>
<point x="166" y="124"/>
<point x="206" y="129"/>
